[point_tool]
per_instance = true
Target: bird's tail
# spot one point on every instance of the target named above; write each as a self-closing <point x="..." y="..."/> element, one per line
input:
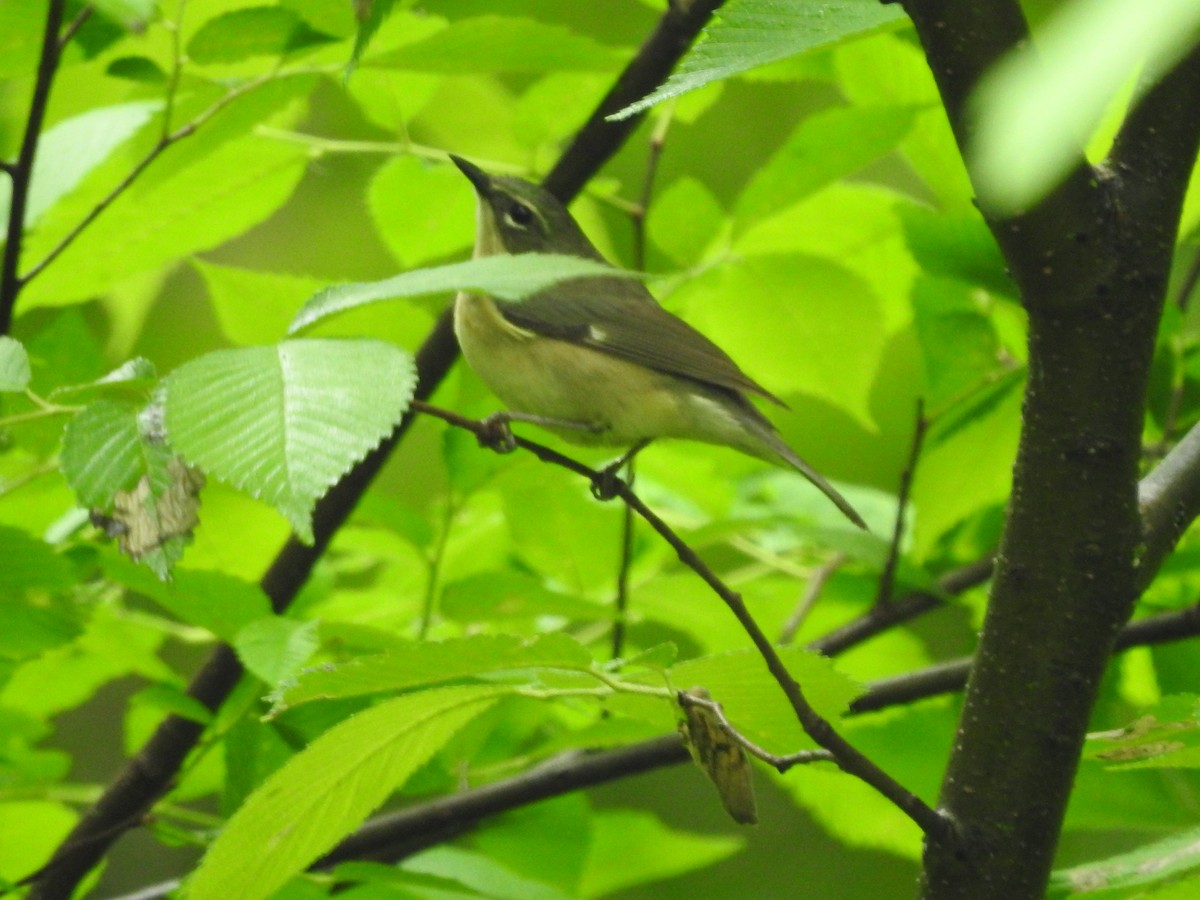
<point x="762" y="429"/>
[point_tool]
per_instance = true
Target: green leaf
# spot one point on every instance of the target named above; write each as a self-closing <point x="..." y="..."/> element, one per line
<point x="132" y="14"/>
<point x="136" y="68"/>
<point x="956" y="244"/>
<point x="160" y="219"/>
<point x="497" y="596"/>
<point x="133" y="377"/>
<point x="104" y="451"/>
<point x="751" y="697"/>
<point x="434" y="662"/>
<point x="14" y="365"/>
<point x="276" y="298"/>
<point x="752" y="33"/>
<point x="21" y="25"/>
<point x="214" y="600"/>
<point x="684" y="220"/>
<point x="329" y="788"/>
<point x="1150" y="864"/>
<point x="825" y="147"/>
<point x="74" y="147"/>
<point x="958" y="342"/>
<point x="480" y="873"/>
<point x="506" y="276"/>
<point x="500" y="44"/>
<point x="630" y="848"/>
<point x="797" y="323"/>
<point x="27" y="563"/>
<point x="420" y="210"/>
<point x="244" y="33"/>
<point x="1037" y="108"/>
<point x="274" y="648"/>
<point x="283" y="423"/>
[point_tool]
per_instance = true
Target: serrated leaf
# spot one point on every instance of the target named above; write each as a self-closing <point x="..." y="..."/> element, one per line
<point x="283" y="423"/>
<point x="275" y="647"/>
<point x="137" y="374"/>
<point x="154" y="520"/>
<point x="752" y="33"/>
<point x="14" y="365"/>
<point x="506" y="276"/>
<point x="74" y="147"/>
<point x="434" y="662"/>
<point x="329" y="788"/>
<point x="221" y="603"/>
<point x="190" y="201"/>
<point x="104" y="452"/>
<point x="751" y="698"/>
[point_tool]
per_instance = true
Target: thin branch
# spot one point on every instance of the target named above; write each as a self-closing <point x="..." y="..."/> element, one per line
<point x="658" y="139"/>
<point x="22" y="170"/>
<point x="1169" y="498"/>
<point x="880" y="618"/>
<point x="780" y="763"/>
<point x="85" y="13"/>
<point x="621" y="606"/>
<point x="638" y="215"/>
<point x="596" y="141"/>
<point x="139" y="167"/>
<point x="887" y="579"/>
<point x="150" y="772"/>
<point x="851" y="760"/>
<point x="812" y="591"/>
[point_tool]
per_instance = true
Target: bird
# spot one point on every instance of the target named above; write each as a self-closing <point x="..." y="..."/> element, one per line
<point x="596" y="359"/>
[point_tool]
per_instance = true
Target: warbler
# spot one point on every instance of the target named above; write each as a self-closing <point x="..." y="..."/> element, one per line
<point x="596" y="359"/>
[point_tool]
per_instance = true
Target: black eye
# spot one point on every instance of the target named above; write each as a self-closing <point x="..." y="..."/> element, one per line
<point x="520" y="215"/>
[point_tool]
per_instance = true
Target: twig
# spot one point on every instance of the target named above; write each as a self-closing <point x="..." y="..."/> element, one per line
<point x="812" y="592"/>
<point x="658" y="139"/>
<point x="22" y="170"/>
<point x="74" y="25"/>
<point x="848" y="758"/>
<point x="880" y="618"/>
<point x="780" y="763"/>
<point x="621" y="606"/>
<point x="139" y="167"/>
<point x="887" y="579"/>
<point x="638" y="215"/>
<point x="598" y="139"/>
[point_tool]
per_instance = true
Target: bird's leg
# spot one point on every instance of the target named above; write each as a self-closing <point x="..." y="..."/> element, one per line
<point x="497" y="433"/>
<point x="604" y="484"/>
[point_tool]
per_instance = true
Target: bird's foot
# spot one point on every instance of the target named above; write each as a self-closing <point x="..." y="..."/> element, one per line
<point x="496" y="433"/>
<point x="607" y="483"/>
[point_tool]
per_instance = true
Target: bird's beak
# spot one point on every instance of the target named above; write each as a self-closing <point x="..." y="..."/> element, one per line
<point x="478" y="177"/>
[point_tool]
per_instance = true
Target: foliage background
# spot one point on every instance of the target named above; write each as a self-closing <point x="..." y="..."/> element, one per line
<point x="812" y="216"/>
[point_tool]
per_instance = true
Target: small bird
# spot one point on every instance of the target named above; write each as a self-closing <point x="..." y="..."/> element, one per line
<point x="596" y="359"/>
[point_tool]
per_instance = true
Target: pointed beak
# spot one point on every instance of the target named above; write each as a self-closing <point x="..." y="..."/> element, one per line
<point x="477" y="176"/>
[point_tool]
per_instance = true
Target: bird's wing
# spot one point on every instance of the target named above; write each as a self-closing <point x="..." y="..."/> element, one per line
<point x="619" y="316"/>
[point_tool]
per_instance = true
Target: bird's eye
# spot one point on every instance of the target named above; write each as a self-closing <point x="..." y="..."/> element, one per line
<point x="519" y="215"/>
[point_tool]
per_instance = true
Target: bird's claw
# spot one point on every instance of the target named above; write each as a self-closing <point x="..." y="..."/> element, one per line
<point x="496" y="433"/>
<point x="606" y="483"/>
